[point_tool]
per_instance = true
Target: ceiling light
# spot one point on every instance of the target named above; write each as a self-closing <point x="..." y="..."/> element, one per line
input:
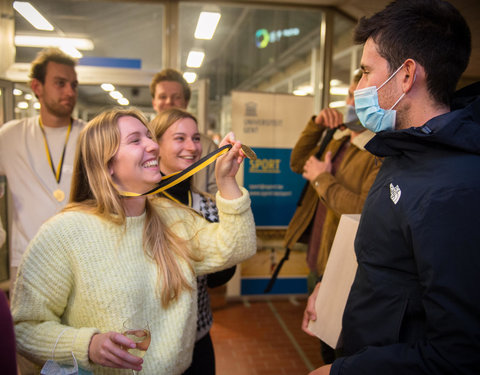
<point x="116" y="94"/>
<point x="190" y="77"/>
<point x="123" y="101"/>
<point x="17" y="92"/>
<point x="195" y="59"/>
<point x="22" y="105"/>
<point x="51" y="41"/>
<point x="335" y="82"/>
<point x="299" y="92"/>
<point x="206" y="25"/>
<point x="306" y="88"/>
<point x="337" y="104"/>
<point x="36" y="105"/>
<point x="32" y="15"/>
<point x="28" y="96"/>
<point x="107" y="87"/>
<point x="339" y="91"/>
<point x="72" y="51"/>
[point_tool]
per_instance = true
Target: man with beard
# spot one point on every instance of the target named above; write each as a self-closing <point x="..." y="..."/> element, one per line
<point x="36" y="153"/>
<point x="414" y="305"/>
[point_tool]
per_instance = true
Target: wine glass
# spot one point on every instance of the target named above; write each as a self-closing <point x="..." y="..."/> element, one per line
<point x="138" y="330"/>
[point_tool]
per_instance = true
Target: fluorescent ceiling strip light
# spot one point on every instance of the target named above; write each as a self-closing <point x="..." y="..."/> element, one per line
<point x="337" y="104"/>
<point x="32" y="15"/>
<point x="206" y="25"/>
<point x="339" y="90"/>
<point x="299" y="92"/>
<point x="195" y="59"/>
<point x="116" y="94"/>
<point x="123" y="101"/>
<point x="107" y="87"/>
<point x="190" y="77"/>
<point x="50" y="41"/>
<point x="72" y="51"/>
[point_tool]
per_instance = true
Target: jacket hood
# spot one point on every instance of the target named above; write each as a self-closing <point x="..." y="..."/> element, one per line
<point x="458" y="129"/>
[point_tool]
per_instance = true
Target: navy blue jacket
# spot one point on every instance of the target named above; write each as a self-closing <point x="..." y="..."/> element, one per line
<point x="414" y="306"/>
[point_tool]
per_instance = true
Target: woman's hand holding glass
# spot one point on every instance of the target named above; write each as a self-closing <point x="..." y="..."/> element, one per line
<point x="110" y="350"/>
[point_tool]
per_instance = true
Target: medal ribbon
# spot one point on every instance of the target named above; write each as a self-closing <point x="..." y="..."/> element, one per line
<point x="175" y="178"/>
<point x="57" y="173"/>
<point x="171" y="197"/>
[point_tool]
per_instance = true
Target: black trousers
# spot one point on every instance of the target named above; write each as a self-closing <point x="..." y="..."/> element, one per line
<point x="203" y="362"/>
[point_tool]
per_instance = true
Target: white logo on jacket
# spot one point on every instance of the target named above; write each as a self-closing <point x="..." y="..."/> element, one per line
<point x="395" y="193"/>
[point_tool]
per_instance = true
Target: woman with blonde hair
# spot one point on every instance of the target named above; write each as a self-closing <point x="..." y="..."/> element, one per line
<point x="180" y="146"/>
<point x="115" y="252"/>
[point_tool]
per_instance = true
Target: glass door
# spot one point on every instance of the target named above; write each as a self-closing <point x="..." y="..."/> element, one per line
<point x="6" y="114"/>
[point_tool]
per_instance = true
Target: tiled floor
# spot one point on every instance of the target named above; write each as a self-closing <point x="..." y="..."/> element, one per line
<point x="253" y="337"/>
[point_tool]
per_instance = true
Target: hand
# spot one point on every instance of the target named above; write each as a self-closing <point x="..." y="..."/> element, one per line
<point x="324" y="370"/>
<point x="106" y="350"/>
<point x="310" y="313"/>
<point x="330" y="118"/>
<point x="314" y="167"/>
<point x="228" y="164"/>
<point x="227" y="167"/>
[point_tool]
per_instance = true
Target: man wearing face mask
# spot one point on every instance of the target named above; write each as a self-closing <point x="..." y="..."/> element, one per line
<point x="414" y="305"/>
<point x="340" y="173"/>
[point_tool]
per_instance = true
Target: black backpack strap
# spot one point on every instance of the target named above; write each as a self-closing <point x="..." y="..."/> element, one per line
<point x="277" y="270"/>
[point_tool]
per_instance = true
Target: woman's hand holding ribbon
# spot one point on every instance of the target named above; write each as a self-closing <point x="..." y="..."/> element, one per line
<point x="227" y="167"/>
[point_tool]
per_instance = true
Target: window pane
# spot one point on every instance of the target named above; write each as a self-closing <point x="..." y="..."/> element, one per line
<point x="252" y="48"/>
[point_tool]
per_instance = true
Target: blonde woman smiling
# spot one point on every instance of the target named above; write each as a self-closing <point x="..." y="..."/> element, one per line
<point x="108" y="256"/>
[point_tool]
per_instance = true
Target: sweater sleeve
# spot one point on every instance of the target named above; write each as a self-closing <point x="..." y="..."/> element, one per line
<point x="228" y="242"/>
<point x="40" y="297"/>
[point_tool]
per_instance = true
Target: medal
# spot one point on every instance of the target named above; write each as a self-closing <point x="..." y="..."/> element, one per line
<point x="249" y="153"/>
<point x="59" y="195"/>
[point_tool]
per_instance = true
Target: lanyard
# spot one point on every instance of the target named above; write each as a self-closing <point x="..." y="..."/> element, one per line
<point x="58" y="172"/>
<point x="171" y="197"/>
<point x="175" y="178"/>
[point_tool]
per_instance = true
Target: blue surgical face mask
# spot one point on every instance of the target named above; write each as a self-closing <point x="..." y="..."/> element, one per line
<point x="369" y="112"/>
<point x="350" y="115"/>
<point x="351" y="120"/>
<point x="53" y="368"/>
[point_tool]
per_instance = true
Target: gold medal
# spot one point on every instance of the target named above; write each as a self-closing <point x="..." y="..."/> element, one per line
<point x="249" y="153"/>
<point x="59" y="195"/>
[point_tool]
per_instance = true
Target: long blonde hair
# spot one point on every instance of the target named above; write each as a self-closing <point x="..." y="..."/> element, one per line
<point x="93" y="190"/>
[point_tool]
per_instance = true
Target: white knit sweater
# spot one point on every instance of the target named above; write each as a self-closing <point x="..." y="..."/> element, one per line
<point x="89" y="275"/>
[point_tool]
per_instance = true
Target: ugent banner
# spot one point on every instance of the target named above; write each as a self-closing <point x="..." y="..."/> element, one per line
<point x="271" y="124"/>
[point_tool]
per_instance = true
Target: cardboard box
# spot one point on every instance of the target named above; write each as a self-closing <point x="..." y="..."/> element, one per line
<point x="336" y="283"/>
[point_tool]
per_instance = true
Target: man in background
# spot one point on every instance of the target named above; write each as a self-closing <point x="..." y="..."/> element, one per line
<point x="36" y="153"/>
<point x="340" y="173"/>
<point x="169" y="89"/>
<point x="414" y="305"/>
